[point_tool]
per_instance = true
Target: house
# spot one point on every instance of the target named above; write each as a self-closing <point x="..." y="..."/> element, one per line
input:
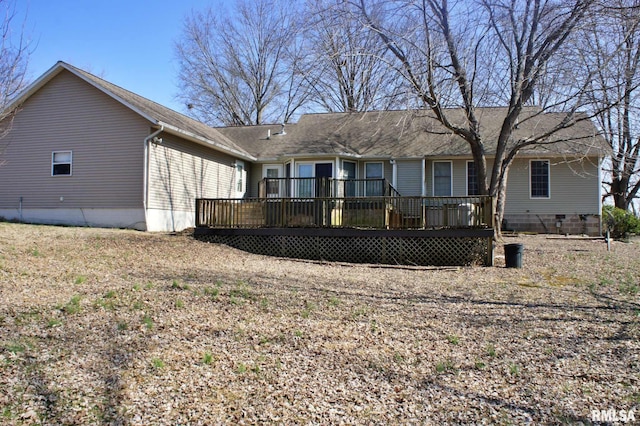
<point x="551" y="188"/>
<point x="83" y="151"/>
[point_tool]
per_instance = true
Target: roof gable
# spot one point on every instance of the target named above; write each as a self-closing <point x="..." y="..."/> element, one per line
<point x="158" y="115"/>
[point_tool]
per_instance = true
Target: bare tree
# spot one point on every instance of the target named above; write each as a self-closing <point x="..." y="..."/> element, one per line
<point x="614" y="38"/>
<point x="474" y="53"/>
<point x="236" y="69"/>
<point x="14" y="55"/>
<point x="346" y="68"/>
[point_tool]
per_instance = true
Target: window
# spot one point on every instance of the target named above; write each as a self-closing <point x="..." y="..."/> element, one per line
<point x="374" y="171"/>
<point x="274" y="182"/>
<point x="442" y="178"/>
<point x="472" y="179"/>
<point x="305" y="183"/>
<point x="539" y="178"/>
<point x="61" y="163"/>
<point x="240" y="179"/>
<point x="349" y="174"/>
<point x="313" y="179"/>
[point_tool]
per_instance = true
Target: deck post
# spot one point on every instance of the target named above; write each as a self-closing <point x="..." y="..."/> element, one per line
<point x="489" y="259"/>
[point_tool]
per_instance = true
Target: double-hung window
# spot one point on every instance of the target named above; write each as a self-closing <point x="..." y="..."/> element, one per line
<point x="241" y="175"/>
<point x="374" y="173"/>
<point x="539" y="178"/>
<point x="61" y="163"/>
<point x="442" y="178"/>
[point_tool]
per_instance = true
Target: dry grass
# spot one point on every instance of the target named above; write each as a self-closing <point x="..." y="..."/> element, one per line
<point x="121" y="327"/>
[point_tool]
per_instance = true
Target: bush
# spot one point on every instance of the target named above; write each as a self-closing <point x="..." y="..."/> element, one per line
<point x="620" y="223"/>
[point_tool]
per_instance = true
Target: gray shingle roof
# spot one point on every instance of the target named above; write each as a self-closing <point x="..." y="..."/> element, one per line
<point x="405" y="134"/>
<point x="375" y="134"/>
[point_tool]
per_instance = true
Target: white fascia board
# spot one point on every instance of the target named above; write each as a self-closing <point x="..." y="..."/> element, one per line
<point x="206" y="142"/>
<point x="309" y="155"/>
<point x="406" y="158"/>
<point x="54" y="71"/>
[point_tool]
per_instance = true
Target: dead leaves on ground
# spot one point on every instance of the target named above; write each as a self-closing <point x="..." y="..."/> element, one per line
<point x="122" y="327"/>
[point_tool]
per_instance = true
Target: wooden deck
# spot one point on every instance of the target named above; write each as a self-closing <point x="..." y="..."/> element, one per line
<point x="390" y="212"/>
<point x="386" y="230"/>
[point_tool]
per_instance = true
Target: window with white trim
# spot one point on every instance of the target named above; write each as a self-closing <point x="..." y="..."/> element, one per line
<point x="241" y="175"/>
<point x="306" y="187"/>
<point x="374" y="171"/>
<point x="539" y="178"/>
<point x="61" y="163"/>
<point x="349" y="175"/>
<point x="472" y="179"/>
<point x="313" y="179"/>
<point x="275" y="185"/>
<point x="442" y="178"/>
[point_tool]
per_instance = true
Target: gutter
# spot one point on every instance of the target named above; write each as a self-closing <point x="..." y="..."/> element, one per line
<point x="145" y="183"/>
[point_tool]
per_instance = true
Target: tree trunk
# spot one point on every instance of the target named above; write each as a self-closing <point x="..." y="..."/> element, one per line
<point x="618" y="191"/>
<point x="501" y="199"/>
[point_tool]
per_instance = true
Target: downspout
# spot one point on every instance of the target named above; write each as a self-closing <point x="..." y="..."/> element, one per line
<point x="145" y="183"/>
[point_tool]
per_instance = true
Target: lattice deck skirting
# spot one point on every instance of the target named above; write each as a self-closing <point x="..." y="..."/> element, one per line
<point x="443" y="247"/>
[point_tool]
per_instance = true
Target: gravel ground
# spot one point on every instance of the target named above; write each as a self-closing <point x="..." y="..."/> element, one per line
<point x="121" y="327"/>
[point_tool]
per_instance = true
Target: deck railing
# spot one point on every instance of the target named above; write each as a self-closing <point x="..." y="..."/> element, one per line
<point x="325" y="187"/>
<point x="372" y="212"/>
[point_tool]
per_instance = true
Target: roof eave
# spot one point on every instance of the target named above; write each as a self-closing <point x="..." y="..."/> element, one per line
<point x="57" y="69"/>
<point x="206" y="142"/>
<point x="60" y="66"/>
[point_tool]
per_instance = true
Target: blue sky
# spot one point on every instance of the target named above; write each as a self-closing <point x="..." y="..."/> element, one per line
<point x="129" y="43"/>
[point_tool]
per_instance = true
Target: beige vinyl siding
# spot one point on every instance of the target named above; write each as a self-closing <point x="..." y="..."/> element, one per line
<point x="250" y="170"/>
<point x="181" y="171"/>
<point x="409" y="177"/>
<point x="428" y="178"/>
<point x="255" y="176"/>
<point x="106" y="139"/>
<point x="388" y="171"/>
<point x="459" y="178"/>
<point x="573" y="188"/>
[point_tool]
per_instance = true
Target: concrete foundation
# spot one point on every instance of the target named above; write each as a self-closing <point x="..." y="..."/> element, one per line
<point x="576" y="224"/>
